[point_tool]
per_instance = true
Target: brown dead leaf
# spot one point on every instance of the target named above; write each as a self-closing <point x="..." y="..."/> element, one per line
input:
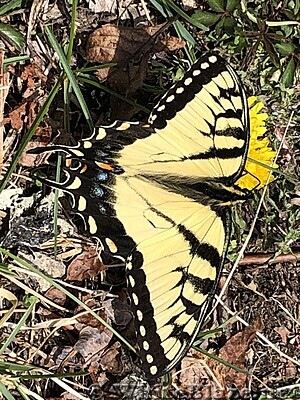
<point x="16" y="117"/>
<point x="34" y="78"/>
<point x="118" y="44"/>
<point x="290" y="370"/>
<point x="43" y="133"/>
<point x="56" y="295"/>
<point x="197" y="379"/>
<point x="102" y="379"/>
<point x="193" y="374"/>
<point x="131" y="49"/>
<point x="283" y="332"/>
<point x="28" y="160"/>
<point x="91" y="342"/>
<point x="173" y="43"/>
<point x="86" y="265"/>
<point x="24" y="113"/>
<point x="122" y="312"/>
<point x="111" y="360"/>
<point x="201" y="376"/>
<point x="234" y="351"/>
<point x="88" y="319"/>
<point x="94" y="369"/>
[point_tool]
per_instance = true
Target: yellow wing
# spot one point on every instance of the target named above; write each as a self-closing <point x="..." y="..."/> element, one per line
<point x="158" y="195"/>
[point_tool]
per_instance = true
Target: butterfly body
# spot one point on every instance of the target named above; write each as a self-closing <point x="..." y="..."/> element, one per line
<point x="159" y="195"/>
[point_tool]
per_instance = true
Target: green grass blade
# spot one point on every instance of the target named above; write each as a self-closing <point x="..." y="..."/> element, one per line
<point x="5" y="392"/>
<point x="183" y="15"/>
<point x="10" y="6"/>
<point x="93" y="68"/>
<point x="16" y="59"/>
<point x="7" y="366"/>
<point x="181" y="31"/>
<point x="70" y="76"/>
<point x="12" y="35"/>
<point x="274" y="170"/>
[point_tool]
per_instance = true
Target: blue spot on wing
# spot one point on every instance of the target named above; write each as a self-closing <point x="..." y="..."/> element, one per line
<point x="101" y="176"/>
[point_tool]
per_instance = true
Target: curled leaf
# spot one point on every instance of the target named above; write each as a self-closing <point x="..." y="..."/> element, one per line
<point x="288" y="75"/>
<point x="11" y="35"/>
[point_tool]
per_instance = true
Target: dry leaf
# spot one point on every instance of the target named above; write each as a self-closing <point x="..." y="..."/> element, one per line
<point x="234" y="351"/>
<point x="17" y="117"/>
<point x="122" y="312"/>
<point x="56" y="295"/>
<point x="290" y="370"/>
<point x="24" y="113"/>
<point x="130" y="48"/>
<point x="102" y="379"/>
<point x="31" y="79"/>
<point x="86" y="265"/>
<point x="91" y="342"/>
<point x="88" y="319"/>
<point x="111" y="360"/>
<point x="43" y="133"/>
<point x="283" y="332"/>
<point x="28" y="160"/>
<point x="193" y="375"/>
<point x="34" y="79"/>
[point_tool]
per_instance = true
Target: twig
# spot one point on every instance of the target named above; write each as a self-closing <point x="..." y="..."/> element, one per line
<point x="268" y="258"/>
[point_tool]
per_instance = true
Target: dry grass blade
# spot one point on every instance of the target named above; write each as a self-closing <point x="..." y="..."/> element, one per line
<point x="6" y="294"/>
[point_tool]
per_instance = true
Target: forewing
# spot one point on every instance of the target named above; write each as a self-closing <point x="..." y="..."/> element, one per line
<point x="198" y="131"/>
<point x="201" y="128"/>
<point x="208" y="110"/>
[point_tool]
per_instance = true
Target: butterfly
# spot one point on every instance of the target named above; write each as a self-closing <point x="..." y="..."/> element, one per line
<point x="159" y="194"/>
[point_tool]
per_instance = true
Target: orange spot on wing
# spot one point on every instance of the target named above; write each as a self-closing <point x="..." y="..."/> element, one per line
<point x="83" y="169"/>
<point x="108" y="167"/>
